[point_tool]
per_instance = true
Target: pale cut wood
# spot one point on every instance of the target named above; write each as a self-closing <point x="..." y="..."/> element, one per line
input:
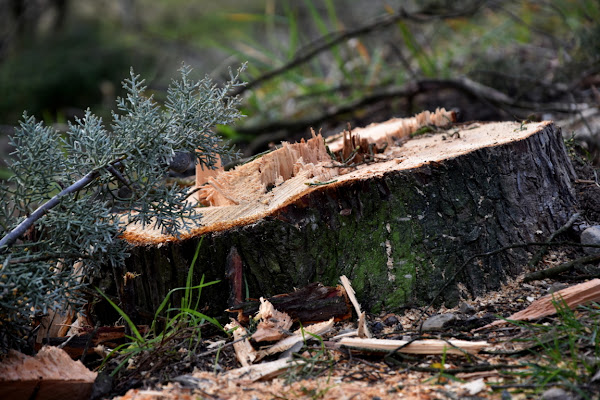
<point x="434" y="346"/>
<point x="363" y="329"/>
<point x="203" y="173"/>
<point x="583" y="293"/>
<point x="244" y="351"/>
<point x="396" y="128"/>
<point x="51" y="374"/>
<point x="262" y="371"/>
<point x="299" y="336"/>
<point x="273" y="324"/>
<point x="351" y="294"/>
<point x="250" y="182"/>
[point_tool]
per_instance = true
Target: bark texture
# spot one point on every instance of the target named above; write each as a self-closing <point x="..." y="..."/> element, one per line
<point x="398" y="235"/>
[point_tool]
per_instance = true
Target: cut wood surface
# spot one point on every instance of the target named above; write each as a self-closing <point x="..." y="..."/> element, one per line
<point x="51" y="374"/>
<point x="399" y="223"/>
<point x="581" y="294"/>
<point x="433" y="346"/>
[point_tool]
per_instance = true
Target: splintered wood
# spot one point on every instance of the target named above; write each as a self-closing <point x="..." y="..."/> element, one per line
<point x="583" y="293"/>
<point x="429" y="346"/>
<point x="51" y="374"/>
<point x="386" y="133"/>
<point x="250" y="182"/>
<point x="274" y="326"/>
<point x="268" y="184"/>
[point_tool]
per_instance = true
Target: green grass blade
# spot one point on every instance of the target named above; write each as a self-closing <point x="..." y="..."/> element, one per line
<point x="138" y="337"/>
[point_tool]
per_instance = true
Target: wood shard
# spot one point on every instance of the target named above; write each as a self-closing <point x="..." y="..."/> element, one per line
<point x="382" y="134"/>
<point x="363" y="329"/>
<point x="273" y="324"/>
<point x="250" y="182"/>
<point x="244" y="351"/>
<point x="299" y="336"/>
<point x="51" y="374"/>
<point x="459" y="347"/>
<point x="262" y="371"/>
<point x="583" y="293"/>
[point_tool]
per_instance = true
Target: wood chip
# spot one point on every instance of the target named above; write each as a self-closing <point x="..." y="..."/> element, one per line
<point x="273" y="324"/>
<point x="299" y="336"/>
<point x="244" y="351"/>
<point x="51" y="374"/>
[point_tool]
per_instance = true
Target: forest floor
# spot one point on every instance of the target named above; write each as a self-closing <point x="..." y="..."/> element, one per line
<point x="555" y="356"/>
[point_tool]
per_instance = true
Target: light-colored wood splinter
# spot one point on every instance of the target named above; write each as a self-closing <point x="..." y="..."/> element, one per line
<point x="583" y="293"/>
<point x="385" y="133"/>
<point x="299" y="336"/>
<point x="244" y="351"/>
<point x="51" y="374"/>
<point x="273" y="324"/>
<point x="363" y="329"/>
<point x="434" y="346"/>
<point x="263" y="371"/>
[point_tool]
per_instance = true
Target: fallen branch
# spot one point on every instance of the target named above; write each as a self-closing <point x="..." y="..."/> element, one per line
<point x="559" y="269"/>
<point x="538" y="257"/>
<point x="326" y="42"/>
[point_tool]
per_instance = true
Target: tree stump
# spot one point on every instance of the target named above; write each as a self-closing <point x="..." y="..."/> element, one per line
<point x="398" y="215"/>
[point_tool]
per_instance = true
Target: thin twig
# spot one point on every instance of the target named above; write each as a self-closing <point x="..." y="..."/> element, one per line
<point x="16" y="233"/>
<point x="559" y="269"/>
<point x="324" y="43"/>
<point x="491" y="253"/>
<point x="538" y="257"/>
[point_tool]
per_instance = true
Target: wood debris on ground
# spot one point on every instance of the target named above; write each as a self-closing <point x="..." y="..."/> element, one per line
<point x="51" y="374"/>
<point x="583" y="293"/>
<point x="259" y="378"/>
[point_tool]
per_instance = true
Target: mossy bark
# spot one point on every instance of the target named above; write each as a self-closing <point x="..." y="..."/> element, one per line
<point x="398" y="237"/>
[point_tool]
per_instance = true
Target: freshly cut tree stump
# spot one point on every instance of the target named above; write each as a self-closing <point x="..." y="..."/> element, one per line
<point x="399" y="215"/>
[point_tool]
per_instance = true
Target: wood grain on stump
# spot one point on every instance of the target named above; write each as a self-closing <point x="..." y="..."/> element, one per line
<point x="398" y="224"/>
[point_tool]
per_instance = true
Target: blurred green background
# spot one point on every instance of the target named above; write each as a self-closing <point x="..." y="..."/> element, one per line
<point x="58" y="57"/>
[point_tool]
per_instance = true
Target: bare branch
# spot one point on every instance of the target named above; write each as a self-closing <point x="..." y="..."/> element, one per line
<point x="16" y="233"/>
<point x="325" y="42"/>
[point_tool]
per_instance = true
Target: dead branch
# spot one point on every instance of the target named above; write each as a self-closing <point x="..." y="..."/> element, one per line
<point x="332" y="39"/>
<point x="559" y="269"/>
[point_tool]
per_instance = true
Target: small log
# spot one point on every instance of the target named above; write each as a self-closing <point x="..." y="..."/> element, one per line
<point x="452" y="346"/>
<point x="50" y="375"/>
<point x="399" y="224"/>
<point x="310" y="304"/>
